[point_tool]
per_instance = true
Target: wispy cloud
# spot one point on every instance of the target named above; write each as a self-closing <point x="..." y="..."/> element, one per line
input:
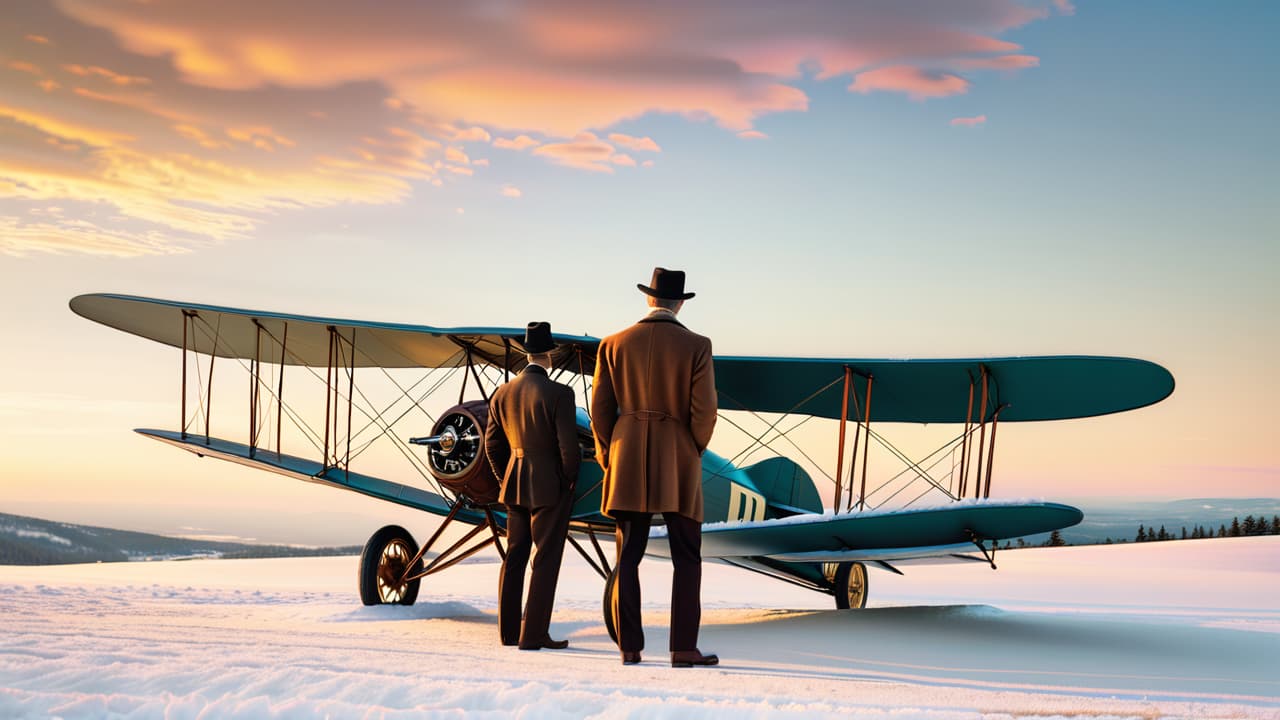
<point x="639" y="144"/>
<point x="585" y="152"/>
<point x="193" y="122"/>
<point x="968" y="121"/>
<point x="520" y="142"/>
<point x="916" y="83"/>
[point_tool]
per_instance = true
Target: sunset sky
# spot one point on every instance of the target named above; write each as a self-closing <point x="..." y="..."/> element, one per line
<point x="925" y="178"/>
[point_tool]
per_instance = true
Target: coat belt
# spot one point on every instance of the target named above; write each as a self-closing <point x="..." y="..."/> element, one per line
<point x="648" y="415"/>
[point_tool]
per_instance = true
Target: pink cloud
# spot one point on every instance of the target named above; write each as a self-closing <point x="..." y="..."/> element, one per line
<point x="915" y="83"/>
<point x="517" y="143"/>
<point x="1064" y="7"/>
<point x="576" y="65"/>
<point x="585" y="152"/>
<point x="752" y="135"/>
<point x="968" y="121"/>
<point x="999" y="62"/>
<point x="639" y="144"/>
<point x="511" y="191"/>
<point x="456" y="155"/>
<point x="187" y="118"/>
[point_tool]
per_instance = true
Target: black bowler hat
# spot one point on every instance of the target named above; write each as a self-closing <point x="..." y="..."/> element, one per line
<point x="537" y="338"/>
<point x="666" y="284"/>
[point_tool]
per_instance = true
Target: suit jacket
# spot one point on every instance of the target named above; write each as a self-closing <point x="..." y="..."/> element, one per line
<point x="653" y="409"/>
<point x="532" y="439"/>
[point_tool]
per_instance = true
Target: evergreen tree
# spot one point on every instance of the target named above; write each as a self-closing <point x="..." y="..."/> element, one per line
<point x="1222" y="531"/>
<point x="1142" y="534"/>
<point x="1250" y="525"/>
<point x="1275" y="524"/>
<point x="1235" y="527"/>
<point x="1184" y="532"/>
<point x="1108" y="542"/>
<point x="1055" y="539"/>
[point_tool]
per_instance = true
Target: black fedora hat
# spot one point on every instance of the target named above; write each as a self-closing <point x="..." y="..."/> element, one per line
<point x="666" y="284"/>
<point x="537" y="338"/>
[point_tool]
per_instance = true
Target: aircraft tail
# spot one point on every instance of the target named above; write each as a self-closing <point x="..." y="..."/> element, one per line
<point x="787" y="488"/>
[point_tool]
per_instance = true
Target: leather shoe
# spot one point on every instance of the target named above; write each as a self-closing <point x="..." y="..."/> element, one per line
<point x="689" y="658"/>
<point x="630" y="658"/>
<point x="547" y="643"/>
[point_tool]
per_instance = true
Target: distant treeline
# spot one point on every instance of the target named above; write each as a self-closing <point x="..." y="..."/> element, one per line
<point x="1250" y="526"/>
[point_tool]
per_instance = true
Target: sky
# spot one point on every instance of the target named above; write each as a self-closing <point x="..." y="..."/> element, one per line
<point x="934" y="178"/>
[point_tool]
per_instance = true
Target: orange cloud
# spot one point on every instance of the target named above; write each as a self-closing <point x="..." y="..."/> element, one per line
<point x="517" y="143"/>
<point x="25" y="67"/>
<point x="511" y="191"/>
<point x="968" y="121"/>
<point x="752" y="135"/>
<point x="456" y="155"/>
<point x="915" y="83"/>
<point x="585" y="152"/>
<point x="188" y="119"/>
<point x="114" y="77"/>
<point x="640" y="144"/>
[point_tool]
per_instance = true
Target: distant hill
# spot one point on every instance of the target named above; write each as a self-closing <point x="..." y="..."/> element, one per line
<point x="31" y="541"/>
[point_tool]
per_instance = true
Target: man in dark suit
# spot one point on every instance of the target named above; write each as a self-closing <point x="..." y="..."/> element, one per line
<point x="532" y="444"/>
<point x="652" y="410"/>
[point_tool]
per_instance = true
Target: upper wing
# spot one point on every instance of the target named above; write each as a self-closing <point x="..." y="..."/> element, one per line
<point x="305" y="340"/>
<point x="927" y="391"/>
<point x="1027" y="388"/>
<point x="881" y="535"/>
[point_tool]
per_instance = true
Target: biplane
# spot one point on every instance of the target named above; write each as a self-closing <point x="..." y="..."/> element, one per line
<point x="767" y="516"/>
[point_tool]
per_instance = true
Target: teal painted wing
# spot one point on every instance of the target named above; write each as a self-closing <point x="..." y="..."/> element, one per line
<point x="884" y="535"/>
<point x="1026" y="388"/>
<point x="312" y="471"/>
<point x="937" y="391"/>
<point x="304" y="339"/>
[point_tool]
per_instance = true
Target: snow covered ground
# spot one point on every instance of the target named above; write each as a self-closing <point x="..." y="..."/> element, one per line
<point x="1177" y="629"/>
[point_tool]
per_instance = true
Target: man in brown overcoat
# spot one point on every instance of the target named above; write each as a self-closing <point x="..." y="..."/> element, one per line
<point x="532" y="443"/>
<point x="653" y="409"/>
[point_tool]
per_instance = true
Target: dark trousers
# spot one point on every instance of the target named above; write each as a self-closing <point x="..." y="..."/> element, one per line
<point x="685" y="536"/>
<point x="545" y="527"/>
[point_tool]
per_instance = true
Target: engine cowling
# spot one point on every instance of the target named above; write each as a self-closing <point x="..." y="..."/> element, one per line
<point x="455" y="454"/>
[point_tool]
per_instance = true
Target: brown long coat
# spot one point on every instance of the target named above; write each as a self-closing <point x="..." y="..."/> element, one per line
<point x="532" y="439"/>
<point x="653" y="409"/>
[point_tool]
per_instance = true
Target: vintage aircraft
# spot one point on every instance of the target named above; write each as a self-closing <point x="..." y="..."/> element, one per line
<point x="766" y="517"/>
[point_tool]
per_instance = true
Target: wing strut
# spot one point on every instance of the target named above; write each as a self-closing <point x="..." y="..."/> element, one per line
<point x="844" y="422"/>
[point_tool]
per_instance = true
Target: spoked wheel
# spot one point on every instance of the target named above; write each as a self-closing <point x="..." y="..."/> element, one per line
<point x="384" y="565"/>
<point x="608" y="605"/>
<point x="850" y="586"/>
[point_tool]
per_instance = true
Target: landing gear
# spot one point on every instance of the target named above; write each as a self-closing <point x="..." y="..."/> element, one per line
<point x="849" y="583"/>
<point x="384" y="565"/>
